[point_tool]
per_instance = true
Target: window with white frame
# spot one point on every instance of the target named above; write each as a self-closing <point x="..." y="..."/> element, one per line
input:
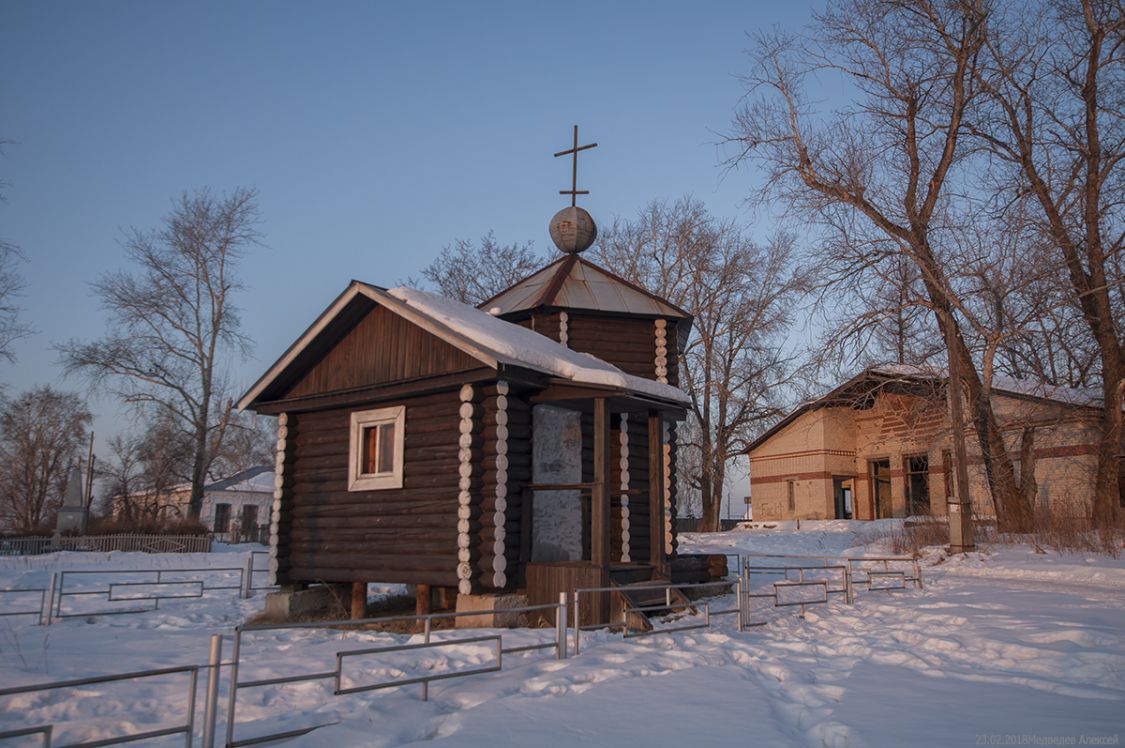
<point x="375" y="455"/>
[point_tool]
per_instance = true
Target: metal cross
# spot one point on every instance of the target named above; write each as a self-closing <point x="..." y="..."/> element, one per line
<point x="574" y="192"/>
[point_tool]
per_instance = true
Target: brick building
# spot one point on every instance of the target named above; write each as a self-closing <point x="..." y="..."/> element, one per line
<point x="879" y="446"/>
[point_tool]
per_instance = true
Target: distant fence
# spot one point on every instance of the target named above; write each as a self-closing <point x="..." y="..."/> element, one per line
<point x="259" y="534"/>
<point x="140" y="590"/>
<point x="136" y="542"/>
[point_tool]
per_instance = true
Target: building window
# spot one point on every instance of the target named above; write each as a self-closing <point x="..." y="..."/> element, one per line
<point x="249" y="521"/>
<point x="375" y="455"/>
<point x="222" y="518"/>
<point x="917" y="484"/>
<point x="880" y="471"/>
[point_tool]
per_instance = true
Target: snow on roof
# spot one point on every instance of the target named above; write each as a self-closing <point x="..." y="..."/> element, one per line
<point x="1087" y="396"/>
<point x="258" y="479"/>
<point x="517" y="345"/>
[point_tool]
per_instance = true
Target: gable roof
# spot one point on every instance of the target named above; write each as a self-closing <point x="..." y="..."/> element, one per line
<point x="571" y="282"/>
<point x="492" y="341"/>
<point x="906" y="375"/>
<point x="258" y="479"/>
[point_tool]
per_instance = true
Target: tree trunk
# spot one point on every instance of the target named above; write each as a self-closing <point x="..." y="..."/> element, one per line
<point x="1011" y="514"/>
<point x="708" y="520"/>
<point x="1107" y="486"/>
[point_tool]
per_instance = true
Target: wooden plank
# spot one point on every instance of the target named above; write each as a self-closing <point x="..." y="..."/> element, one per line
<point x="376" y="394"/>
<point x="365" y="356"/>
<point x="545" y="580"/>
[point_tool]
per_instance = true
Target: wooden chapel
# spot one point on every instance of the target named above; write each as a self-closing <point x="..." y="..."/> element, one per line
<point x="527" y="445"/>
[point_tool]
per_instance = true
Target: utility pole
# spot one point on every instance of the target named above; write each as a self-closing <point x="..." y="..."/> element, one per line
<point x="960" y="506"/>
<point x="88" y="495"/>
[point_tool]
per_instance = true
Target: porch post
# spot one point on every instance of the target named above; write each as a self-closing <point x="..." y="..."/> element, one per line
<point x="656" y="493"/>
<point x="599" y="504"/>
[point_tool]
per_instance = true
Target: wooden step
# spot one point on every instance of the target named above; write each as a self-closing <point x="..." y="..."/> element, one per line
<point x="655" y="601"/>
<point x="624" y="574"/>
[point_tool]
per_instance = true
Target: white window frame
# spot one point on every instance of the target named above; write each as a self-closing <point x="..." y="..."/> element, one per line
<point x="364" y="419"/>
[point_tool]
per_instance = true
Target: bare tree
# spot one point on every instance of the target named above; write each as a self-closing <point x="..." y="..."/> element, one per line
<point x="12" y="328"/>
<point x="173" y="318"/>
<point x="735" y="363"/>
<point x="146" y="473"/>
<point x="251" y="441"/>
<point x="472" y="273"/>
<point x="42" y="434"/>
<point x="883" y="175"/>
<point x="122" y="476"/>
<point x="1053" y="117"/>
<point x="873" y="318"/>
<point x="11" y="283"/>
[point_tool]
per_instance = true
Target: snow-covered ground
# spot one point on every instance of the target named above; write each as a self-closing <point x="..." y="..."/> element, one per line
<point x="1002" y="647"/>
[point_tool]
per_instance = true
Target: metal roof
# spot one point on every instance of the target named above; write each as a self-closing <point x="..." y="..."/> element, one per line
<point x="574" y="283"/>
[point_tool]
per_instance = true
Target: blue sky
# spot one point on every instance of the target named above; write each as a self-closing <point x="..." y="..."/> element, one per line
<point x="375" y="134"/>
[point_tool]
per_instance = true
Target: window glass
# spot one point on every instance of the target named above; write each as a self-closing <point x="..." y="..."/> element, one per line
<point x="369" y="464"/>
<point x="376" y="449"/>
<point x="387" y="447"/>
<point x="222" y="517"/>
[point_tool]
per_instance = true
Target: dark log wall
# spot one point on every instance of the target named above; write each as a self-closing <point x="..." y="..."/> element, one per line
<point x="671" y="490"/>
<point x="506" y="419"/>
<point x="628" y="344"/>
<point x="381" y="348"/>
<point x="406" y="535"/>
<point x="638" y="479"/>
<point x="543" y="323"/>
<point x="673" y="358"/>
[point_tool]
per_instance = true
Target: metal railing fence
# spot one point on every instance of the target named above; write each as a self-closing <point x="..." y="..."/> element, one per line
<point x="825" y="576"/>
<point x="158" y="579"/>
<point x="47" y="731"/>
<point x="46" y="599"/>
<point x="335" y="675"/>
<point x="263" y="570"/>
<point x="667" y="588"/>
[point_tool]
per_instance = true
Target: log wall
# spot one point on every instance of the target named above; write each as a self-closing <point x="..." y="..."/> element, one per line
<point x="409" y="535"/>
<point x="628" y="344"/>
<point x="505" y="470"/>
<point x="637" y="429"/>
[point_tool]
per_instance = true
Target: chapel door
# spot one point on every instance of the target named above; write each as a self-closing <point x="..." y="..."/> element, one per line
<point x="842" y="496"/>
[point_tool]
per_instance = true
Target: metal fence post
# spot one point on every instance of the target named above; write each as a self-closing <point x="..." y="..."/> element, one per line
<point x="248" y="576"/>
<point x="48" y="601"/>
<point x="426" y="683"/>
<point x="560" y="628"/>
<point x="59" y="594"/>
<point x="741" y="610"/>
<point x="211" y="705"/>
<point x="235" y="653"/>
<point x="577" y="625"/>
